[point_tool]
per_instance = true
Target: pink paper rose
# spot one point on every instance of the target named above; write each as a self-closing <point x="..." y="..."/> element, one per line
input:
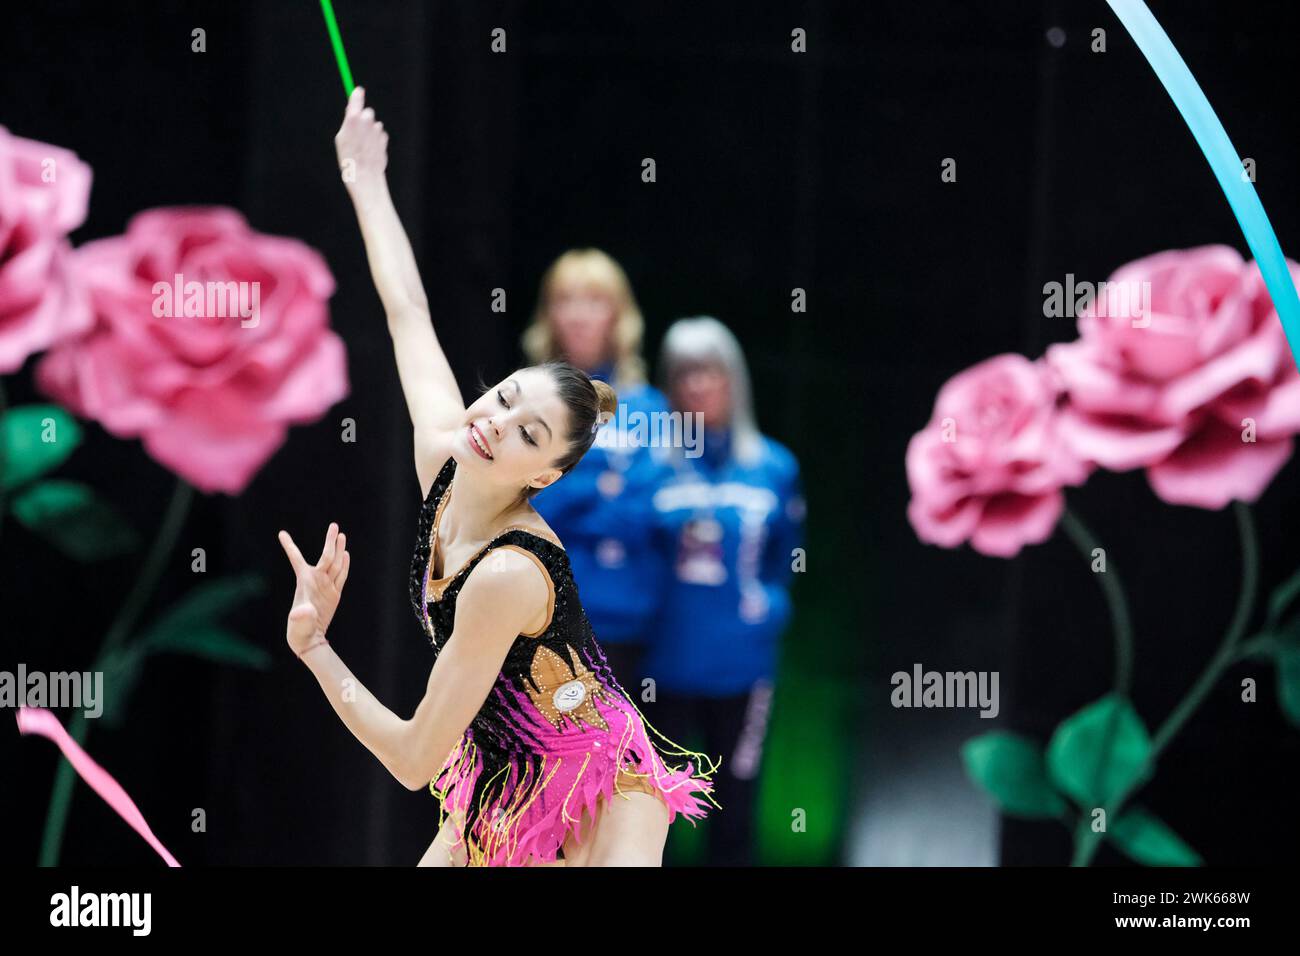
<point x="1203" y="392"/>
<point x="990" y="465"/>
<point x="44" y="195"/>
<point x="210" y="340"/>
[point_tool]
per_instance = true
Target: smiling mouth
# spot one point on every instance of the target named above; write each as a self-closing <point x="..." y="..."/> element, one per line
<point x="479" y="443"/>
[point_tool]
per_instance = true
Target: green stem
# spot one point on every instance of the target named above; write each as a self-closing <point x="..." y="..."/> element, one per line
<point x="1089" y="841"/>
<point x="1121" y="628"/>
<point x="1121" y="622"/>
<point x="79" y="727"/>
<point x="1227" y="650"/>
<point x="1260" y="645"/>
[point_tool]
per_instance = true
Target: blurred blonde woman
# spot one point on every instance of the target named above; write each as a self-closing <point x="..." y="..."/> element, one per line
<point x="587" y="316"/>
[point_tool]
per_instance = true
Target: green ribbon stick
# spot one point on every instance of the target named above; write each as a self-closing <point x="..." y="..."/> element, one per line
<point x="332" y="25"/>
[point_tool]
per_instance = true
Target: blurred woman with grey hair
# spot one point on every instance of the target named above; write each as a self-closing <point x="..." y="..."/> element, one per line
<point x="730" y="520"/>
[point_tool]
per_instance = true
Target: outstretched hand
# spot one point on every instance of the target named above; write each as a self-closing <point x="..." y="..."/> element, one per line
<point x="319" y="586"/>
<point x="361" y="143"/>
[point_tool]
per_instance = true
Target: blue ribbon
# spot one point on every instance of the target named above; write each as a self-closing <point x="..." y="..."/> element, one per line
<point x="1213" y="140"/>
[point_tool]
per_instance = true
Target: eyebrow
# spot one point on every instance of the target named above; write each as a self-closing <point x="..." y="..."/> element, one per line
<point x="519" y="393"/>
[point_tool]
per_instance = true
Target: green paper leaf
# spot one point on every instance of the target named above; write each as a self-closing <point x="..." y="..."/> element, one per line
<point x="1010" y="768"/>
<point x="31" y="446"/>
<point x="201" y="607"/>
<point x="1075" y="751"/>
<point x="1288" y="682"/>
<point x="74" y="519"/>
<point x="1143" y="838"/>
<point x="187" y="627"/>
<point x="213" y="643"/>
<point x="122" y="669"/>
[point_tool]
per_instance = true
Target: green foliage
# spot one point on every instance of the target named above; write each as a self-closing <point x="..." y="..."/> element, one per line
<point x="1011" y="769"/>
<point x="1099" y="752"/>
<point x="74" y="519"/>
<point x="1144" y="838"/>
<point x="188" y="627"/>
<point x="30" y="445"/>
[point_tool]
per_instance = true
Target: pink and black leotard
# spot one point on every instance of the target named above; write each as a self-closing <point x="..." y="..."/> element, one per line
<point x="556" y="732"/>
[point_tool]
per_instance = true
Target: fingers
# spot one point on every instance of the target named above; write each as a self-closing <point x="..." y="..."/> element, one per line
<point x="340" y="544"/>
<point x="295" y="556"/>
<point x="327" y="552"/>
<point x="334" y="559"/>
<point x="343" y="571"/>
<point x="356" y="101"/>
<point x="359" y="121"/>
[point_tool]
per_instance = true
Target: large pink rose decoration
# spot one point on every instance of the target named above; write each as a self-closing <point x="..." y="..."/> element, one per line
<point x="44" y="195"/>
<point x="210" y="340"/>
<point x="990" y="465"/>
<point x="1203" y="392"/>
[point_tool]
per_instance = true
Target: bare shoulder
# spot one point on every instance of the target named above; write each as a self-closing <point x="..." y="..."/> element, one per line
<point x="538" y="525"/>
<point x="509" y="584"/>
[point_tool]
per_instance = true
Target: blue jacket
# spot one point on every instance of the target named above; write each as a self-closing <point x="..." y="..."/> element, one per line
<point x="601" y="510"/>
<point x="729" y="530"/>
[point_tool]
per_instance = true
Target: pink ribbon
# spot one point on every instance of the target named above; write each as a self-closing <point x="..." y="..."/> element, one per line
<point x="36" y="720"/>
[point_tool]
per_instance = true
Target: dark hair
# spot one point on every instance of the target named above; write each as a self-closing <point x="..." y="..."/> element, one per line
<point x="587" y="400"/>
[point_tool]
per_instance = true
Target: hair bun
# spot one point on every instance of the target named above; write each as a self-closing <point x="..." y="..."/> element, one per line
<point x="606" y="398"/>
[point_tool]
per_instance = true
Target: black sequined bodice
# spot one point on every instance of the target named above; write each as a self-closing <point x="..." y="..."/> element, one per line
<point x="441" y="613"/>
<point x="569" y="633"/>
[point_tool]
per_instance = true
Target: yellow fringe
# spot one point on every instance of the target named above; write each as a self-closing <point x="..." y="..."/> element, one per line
<point x="702" y="759"/>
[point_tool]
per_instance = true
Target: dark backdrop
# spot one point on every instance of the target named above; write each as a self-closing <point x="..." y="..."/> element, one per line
<point x="775" y="171"/>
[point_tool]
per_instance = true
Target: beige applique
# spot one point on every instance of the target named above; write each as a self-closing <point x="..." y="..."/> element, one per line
<point x="563" y="693"/>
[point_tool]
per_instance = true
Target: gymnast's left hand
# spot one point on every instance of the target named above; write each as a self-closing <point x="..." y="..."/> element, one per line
<point x="318" y="588"/>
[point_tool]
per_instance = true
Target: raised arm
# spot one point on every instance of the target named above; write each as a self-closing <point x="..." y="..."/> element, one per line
<point x="433" y="398"/>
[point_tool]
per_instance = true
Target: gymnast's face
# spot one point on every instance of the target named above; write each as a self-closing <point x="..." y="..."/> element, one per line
<point x="514" y="431"/>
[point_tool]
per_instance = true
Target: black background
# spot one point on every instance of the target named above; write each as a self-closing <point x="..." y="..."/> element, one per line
<point x="775" y="171"/>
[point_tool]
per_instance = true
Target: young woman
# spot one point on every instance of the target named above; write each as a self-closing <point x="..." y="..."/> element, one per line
<point x="587" y="315"/>
<point x="732" y="518"/>
<point x="524" y="733"/>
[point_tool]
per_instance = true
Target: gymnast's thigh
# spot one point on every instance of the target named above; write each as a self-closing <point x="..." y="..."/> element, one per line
<point x="447" y="848"/>
<point x="630" y="830"/>
<point x="577" y="846"/>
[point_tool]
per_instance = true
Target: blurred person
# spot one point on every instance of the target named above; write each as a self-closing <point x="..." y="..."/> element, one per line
<point x="731" y="518"/>
<point x="587" y="315"/>
<point x="534" y="750"/>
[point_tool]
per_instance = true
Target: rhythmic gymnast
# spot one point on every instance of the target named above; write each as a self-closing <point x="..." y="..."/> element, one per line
<point x="536" y="753"/>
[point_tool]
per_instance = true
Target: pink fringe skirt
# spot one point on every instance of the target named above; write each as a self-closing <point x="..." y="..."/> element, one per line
<point x="529" y="816"/>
